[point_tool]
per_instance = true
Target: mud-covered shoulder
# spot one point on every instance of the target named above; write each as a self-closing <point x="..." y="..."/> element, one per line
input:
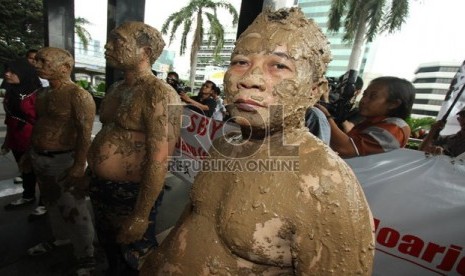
<point x="317" y="157"/>
<point x="157" y="90"/>
<point x="82" y="100"/>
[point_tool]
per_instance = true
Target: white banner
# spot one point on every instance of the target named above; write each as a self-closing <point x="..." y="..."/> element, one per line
<point x="418" y="202"/>
<point x="197" y="134"/>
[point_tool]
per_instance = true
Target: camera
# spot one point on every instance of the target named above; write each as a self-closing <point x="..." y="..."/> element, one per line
<point x="341" y="94"/>
<point x="176" y="84"/>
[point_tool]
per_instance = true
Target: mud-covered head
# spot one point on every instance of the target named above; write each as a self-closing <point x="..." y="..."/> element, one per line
<point x="129" y="41"/>
<point x="280" y="59"/>
<point x="54" y="63"/>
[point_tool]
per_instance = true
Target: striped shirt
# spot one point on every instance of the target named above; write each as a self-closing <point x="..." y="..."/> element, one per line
<point x="379" y="134"/>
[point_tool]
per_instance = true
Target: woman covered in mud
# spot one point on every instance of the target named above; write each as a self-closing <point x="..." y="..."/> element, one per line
<point x="310" y="217"/>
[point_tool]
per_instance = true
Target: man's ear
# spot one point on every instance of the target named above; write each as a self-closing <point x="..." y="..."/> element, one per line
<point x="66" y="68"/>
<point x="394" y="104"/>
<point x="147" y="51"/>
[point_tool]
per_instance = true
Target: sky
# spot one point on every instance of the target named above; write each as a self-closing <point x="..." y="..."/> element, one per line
<point x="431" y="33"/>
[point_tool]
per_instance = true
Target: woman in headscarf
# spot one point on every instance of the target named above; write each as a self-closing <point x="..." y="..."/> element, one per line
<point x="21" y="84"/>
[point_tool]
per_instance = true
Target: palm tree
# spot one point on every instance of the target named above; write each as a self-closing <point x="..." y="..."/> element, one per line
<point x="81" y="32"/>
<point x="364" y="19"/>
<point x="194" y="14"/>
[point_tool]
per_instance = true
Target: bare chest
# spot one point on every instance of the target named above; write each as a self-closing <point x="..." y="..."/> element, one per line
<point x="124" y="108"/>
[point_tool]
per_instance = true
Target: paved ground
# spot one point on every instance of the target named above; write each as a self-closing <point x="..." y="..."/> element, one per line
<point x="17" y="234"/>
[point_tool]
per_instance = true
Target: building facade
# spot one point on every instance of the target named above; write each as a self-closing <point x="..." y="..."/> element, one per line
<point x="318" y="10"/>
<point x="432" y="81"/>
<point x="208" y="64"/>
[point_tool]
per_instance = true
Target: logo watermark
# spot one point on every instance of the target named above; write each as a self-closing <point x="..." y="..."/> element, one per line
<point x="233" y="165"/>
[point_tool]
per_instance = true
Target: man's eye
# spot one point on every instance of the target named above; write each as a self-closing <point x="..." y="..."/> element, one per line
<point x="281" y="66"/>
<point x="238" y="62"/>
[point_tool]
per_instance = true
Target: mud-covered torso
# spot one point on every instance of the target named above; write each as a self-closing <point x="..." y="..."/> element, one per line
<point x="56" y="127"/>
<point x="248" y="199"/>
<point x="257" y="212"/>
<point x="128" y="115"/>
<point x="297" y="216"/>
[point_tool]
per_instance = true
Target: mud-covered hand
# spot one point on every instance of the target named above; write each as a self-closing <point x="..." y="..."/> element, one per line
<point x="77" y="182"/>
<point x="132" y="229"/>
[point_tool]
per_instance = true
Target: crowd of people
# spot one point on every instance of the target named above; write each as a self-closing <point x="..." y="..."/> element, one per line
<point x="272" y="87"/>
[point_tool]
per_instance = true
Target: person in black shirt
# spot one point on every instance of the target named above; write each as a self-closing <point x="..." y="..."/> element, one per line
<point x="203" y="103"/>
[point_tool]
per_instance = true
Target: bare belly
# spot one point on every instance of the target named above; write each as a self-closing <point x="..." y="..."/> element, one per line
<point x="194" y="248"/>
<point x="50" y="137"/>
<point x="117" y="154"/>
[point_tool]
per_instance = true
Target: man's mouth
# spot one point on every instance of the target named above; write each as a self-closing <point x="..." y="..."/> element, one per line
<point x="247" y="105"/>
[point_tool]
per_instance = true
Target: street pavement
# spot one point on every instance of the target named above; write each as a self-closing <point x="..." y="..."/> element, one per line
<point x="17" y="233"/>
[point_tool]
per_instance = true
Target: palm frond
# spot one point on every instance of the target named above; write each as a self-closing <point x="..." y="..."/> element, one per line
<point x="374" y="18"/>
<point x="194" y="12"/>
<point x="216" y="33"/>
<point x="336" y="13"/>
<point x="396" y="16"/>
<point x="185" y="32"/>
<point x="231" y="10"/>
<point x="81" y="32"/>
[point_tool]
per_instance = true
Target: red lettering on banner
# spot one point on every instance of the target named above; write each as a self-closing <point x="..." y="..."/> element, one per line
<point x="451" y="257"/>
<point x="388" y="237"/>
<point x="199" y="124"/>
<point x="216" y="125"/>
<point x="431" y="250"/>
<point x="461" y="267"/>
<point x="191" y="150"/>
<point x="186" y="148"/>
<point x="202" y="126"/>
<point x="192" y="126"/>
<point x="411" y="245"/>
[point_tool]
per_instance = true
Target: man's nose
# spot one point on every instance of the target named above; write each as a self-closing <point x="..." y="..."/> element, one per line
<point x="253" y="79"/>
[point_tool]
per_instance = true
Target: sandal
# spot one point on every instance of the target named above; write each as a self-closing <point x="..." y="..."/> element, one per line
<point x="46" y="247"/>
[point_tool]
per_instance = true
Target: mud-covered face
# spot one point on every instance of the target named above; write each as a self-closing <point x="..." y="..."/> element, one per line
<point x="121" y="50"/>
<point x="263" y="86"/>
<point x="49" y="65"/>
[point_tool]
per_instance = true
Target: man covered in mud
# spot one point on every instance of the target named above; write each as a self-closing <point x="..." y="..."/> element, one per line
<point x="60" y="140"/>
<point x="307" y="218"/>
<point x="128" y="157"/>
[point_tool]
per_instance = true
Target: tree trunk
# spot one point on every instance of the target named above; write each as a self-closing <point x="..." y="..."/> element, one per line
<point x="195" y="48"/>
<point x="359" y="40"/>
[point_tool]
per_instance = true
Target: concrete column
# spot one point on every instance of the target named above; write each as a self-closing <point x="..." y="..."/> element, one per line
<point x="251" y="8"/>
<point x="59" y="24"/>
<point x="120" y="11"/>
<point x="249" y="11"/>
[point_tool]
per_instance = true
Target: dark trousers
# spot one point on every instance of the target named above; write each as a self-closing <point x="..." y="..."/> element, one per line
<point x="29" y="179"/>
<point x="112" y="202"/>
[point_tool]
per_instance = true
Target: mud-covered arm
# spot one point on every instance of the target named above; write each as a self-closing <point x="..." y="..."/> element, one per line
<point x="83" y="114"/>
<point x="332" y="223"/>
<point x="160" y="138"/>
